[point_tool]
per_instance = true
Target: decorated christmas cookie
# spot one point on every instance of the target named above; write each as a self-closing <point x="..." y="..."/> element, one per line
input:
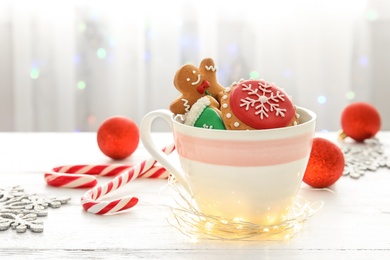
<point x="256" y="104"/>
<point x="194" y="83"/>
<point x="204" y="116"/>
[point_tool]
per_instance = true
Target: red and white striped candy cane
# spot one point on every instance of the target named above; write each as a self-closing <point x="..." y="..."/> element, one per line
<point x="80" y="176"/>
<point x="90" y="200"/>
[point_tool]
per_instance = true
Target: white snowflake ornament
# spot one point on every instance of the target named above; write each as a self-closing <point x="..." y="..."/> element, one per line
<point x="10" y="193"/>
<point x="20" y="222"/>
<point x="20" y="211"/>
<point x="363" y="157"/>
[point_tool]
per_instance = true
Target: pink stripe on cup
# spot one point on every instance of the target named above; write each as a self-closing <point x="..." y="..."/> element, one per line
<point x="243" y="153"/>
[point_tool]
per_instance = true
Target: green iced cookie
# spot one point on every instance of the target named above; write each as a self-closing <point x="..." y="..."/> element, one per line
<point x="201" y="115"/>
<point x="210" y="119"/>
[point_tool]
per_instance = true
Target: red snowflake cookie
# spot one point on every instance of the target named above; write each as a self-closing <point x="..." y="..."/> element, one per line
<point x="261" y="105"/>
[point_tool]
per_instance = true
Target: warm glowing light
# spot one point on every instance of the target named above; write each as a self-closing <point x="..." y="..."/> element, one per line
<point x="237" y="219"/>
<point x="196" y="225"/>
<point x="194" y="240"/>
<point x="209" y="225"/>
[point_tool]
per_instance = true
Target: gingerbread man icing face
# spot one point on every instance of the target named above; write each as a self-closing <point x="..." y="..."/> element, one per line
<point x="194" y="83"/>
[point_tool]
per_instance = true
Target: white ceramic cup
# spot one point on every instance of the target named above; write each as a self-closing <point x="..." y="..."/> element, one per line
<point x="247" y="175"/>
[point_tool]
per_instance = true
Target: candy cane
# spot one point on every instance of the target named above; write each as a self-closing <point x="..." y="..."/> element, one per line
<point x="90" y="200"/>
<point x="79" y="176"/>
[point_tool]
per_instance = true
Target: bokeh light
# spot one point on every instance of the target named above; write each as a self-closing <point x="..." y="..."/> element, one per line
<point x="287" y="73"/>
<point x="350" y="95"/>
<point x="146" y="55"/>
<point x="82" y="27"/>
<point x="101" y="53"/>
<point x="76" y="59"/>
<point x="321" y="99"/>
<point x="363" y="61"/>
<point x="81" y="85"/>
<point x="254" y="74"/>
<point x="91" y="119"/>
<point x="233" y="49"/>
<point x="34" y="73"/>
<point x="372" y="15"/>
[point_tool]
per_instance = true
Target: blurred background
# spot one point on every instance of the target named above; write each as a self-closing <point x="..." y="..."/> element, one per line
<point x="69" y="65"/>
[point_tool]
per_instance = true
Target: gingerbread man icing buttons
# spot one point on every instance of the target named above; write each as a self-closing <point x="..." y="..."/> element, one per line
<point x="194" y="83"/>
<point x="256" y="104"/>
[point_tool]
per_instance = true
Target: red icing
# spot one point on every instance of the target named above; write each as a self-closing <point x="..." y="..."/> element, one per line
<point x="261" y="105"/>
<point x="202" y="87"/>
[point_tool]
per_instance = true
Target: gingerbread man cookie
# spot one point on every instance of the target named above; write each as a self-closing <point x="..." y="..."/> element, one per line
<point x="194" y="83"/>
<point x="256" y="104"/>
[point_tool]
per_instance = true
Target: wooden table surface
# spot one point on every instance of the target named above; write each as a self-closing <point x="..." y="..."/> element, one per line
<point x="354" y="222"/>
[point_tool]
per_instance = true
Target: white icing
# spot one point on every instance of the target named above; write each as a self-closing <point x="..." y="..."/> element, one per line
<point x="265" y="102"/>
<point x="236" y="124"/>
<point x="180" y="118"/>
<point x="186" y="105"/>
<point x="188" y="79"/>
<point x="196" y="82"/>
<point x="263" y="99"/>
<point x="196" y="110"/>
<point x="224" y="96"/>
<point x="194" y="72"/>
<point x="211" y="67"/>
<point x="228" y="115"/>
<point x="207" y="126"/>
<point x="225" y="105"/>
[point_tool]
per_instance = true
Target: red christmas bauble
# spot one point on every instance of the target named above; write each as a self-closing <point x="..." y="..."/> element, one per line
<point x="326" y="164"/>
<point x="118" y="137"/>
<point x="360" y="121"/>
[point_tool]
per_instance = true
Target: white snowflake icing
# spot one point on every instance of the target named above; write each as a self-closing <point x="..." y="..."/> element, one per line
<point x="264" y="101"/>
<point x="20" y="211"/>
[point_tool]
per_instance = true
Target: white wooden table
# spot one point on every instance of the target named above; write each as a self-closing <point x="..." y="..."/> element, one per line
<point x="354" y="222"/>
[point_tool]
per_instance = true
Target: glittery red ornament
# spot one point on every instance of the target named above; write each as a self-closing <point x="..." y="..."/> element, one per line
<point x="360" y="121"/>
<point x="326" y="164"/>
<point x="118" y="137"/>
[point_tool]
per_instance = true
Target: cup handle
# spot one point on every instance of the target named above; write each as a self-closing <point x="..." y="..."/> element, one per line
<point x="151" y="147"/>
